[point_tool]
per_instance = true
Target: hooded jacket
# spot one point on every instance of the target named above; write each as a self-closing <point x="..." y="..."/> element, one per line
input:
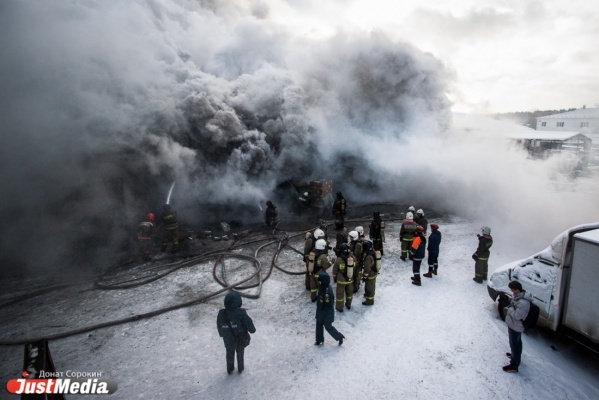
<point x="240" y="321"/>
<point x="518" y="310"/>
<point x="325" y="299"/>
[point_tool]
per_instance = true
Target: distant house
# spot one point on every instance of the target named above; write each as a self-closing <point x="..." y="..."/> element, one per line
<point x="584" y="121"/>
<point x="542" y="144"/>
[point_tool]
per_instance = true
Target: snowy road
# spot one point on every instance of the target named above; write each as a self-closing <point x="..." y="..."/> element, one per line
<point x="443" y="340"/>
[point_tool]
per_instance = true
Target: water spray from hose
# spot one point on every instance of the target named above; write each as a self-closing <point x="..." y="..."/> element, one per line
<point x="170" y="191"/>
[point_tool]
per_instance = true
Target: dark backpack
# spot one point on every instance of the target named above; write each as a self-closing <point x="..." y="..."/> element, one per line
<point x="533" y="315"/>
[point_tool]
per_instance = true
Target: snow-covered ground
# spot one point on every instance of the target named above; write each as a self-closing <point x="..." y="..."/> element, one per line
<point x="442" y="340"/>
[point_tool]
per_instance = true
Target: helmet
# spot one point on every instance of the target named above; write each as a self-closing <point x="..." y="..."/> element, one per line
<point x="344" y="249"/>
<point x="376" y="214"/>
<point x="269" y="203"/>
<point x="486" y="230"/>
<point x="305" y="194"/>
<point x="419" y="229"/>
<point x="411" y="208"/>
<point x="360" y="230"/>
<point x="420" y="211"/>
<point x="150" y="217"/>
<point x="434" y="227"/>
<point x="339" y="195"/>
<point x="320" y="244"/>
<point x="166" y="208"/>
<point x="339" y="223"/>
<point x="323" y="226"/>
<point x="353" y="235"/>
<point x="409" y="216"/>
<point x="366" y="246"/>
<point x="318" y="234"/>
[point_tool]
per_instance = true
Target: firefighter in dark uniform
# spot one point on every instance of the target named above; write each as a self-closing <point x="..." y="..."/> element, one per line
<point x="370" y="273"/>
<point x="145" y="237"/>
<point x="343" y="275"/>
<point x="170" y="228"/>
<point x="341" y="236"/>
<point x="406" y="234"/>
<point x="339" y="207"/>
<point x="377" y="232"/>
<point x="421" y="220"/>
<point x="271" y="215"/>
<point x="320" y="264"/>
<point x="481" y="255"/>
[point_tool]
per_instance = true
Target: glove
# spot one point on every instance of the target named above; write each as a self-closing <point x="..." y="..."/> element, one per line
<point x="411" y="256"/>
<point x="335" y="279"/>
<point x="474" y="257"/>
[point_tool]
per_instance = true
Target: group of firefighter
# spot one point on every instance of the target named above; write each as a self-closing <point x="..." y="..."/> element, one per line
<point x="359" y="260"/>
<point x="170" y="232"/>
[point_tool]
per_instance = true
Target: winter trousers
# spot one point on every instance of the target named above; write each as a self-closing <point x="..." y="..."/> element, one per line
<point x="405" y="247"/>
<point x="344" y="291"/>
<point x="515" y="346"/>
<point x="320" y="324"/>
<point x="169" y="235"/>
<point x="377" y="244"/>
<point x="231" y="350"/>
<point x="369" y="287"/>
<point x="480" y="269"/>
<point x="357" y="278"/>
<point x="416" y="267"/>
<point x="314" y="286"/>
<point x="433" y="260"/>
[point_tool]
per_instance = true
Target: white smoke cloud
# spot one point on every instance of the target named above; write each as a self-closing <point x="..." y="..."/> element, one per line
<point x="107" y="103"/>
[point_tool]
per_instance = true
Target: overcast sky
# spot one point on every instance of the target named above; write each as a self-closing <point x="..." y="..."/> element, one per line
<point x="507" y="55"/>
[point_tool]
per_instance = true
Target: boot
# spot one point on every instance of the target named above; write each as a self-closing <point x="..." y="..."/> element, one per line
<point x="416" y="280"/>
<point x="429" y="274"/>
<point x="477" y="280"/>
<point x="402" y="258"/>
<point x="435" y="270"/>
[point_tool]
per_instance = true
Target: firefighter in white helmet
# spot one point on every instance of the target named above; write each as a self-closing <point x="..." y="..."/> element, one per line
<point x="320" y="263"/>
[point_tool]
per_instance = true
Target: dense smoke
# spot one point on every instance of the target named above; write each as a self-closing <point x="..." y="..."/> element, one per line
<point x="106" y="104"/>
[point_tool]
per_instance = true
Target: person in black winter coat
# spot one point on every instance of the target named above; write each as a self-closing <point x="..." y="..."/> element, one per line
<point x="434" y="242"/>
<point x="240" y="323"/>
<point x="325" y="312"/>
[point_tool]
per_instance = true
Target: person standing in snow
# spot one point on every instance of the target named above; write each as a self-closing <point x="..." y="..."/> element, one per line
<point x="514" y="314"/>
<point x="434" y="242"/>
<point x="232" y="322"/>
<point x="325" y="314"/>
<point x="421" y="220"/>
<point x="170" y="228"/>
<point x="342" y="235"/>
<point x="271" y="215"/>
<point x="377" y="232"/>
<point x="481" y="255"/>
<point x="370" y="273"/>
<point x="339" y="207"/>
<point x="145" y="237"/>
<point x="355" y="248"/>
<point x="406" y="234"/>
<point x="321" y="264"/>
<point x="343" y="273"/>
<point x="417" y="251"/>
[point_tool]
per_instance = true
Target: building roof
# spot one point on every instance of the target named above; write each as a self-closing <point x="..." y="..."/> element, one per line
<point x="544" y="135"/>
<point x="585" y="113"/>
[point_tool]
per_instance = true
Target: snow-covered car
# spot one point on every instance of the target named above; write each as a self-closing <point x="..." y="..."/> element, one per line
<point x="563" y="280"/>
